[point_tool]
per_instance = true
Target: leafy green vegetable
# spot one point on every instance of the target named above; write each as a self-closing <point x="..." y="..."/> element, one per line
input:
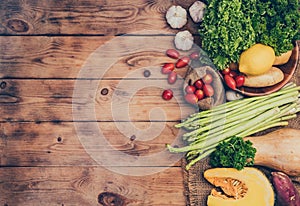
<point x="277" y="24"/>
<point x="231" y="26"/>
<point x="226" y="32"/>
<point x="235" y="153"/>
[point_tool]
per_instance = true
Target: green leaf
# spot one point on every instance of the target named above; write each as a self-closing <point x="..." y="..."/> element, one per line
<point x="234" y="152"/>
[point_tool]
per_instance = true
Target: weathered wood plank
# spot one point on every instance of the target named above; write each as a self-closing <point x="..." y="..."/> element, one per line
<point x="45" y="57"/>
<point x="62" y="144"/>
<point x="85" y="185"/>
<point x="126" y="100"/>
<point x="65" y="57"/>
<point x="84" y="16"/>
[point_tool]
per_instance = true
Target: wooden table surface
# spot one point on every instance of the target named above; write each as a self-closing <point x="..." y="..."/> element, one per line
<point x="50" y="104"/>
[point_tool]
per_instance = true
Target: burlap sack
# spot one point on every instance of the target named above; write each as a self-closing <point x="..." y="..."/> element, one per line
<point x="218" y="98"/>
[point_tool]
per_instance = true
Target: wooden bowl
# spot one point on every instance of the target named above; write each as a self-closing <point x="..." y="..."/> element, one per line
<point x="288" y="70"/>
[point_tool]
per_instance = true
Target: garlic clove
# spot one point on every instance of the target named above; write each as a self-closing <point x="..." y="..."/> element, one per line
<point x="176" y="17"/>
<point x="233" y="95"/>
<point x="184" y="40"/>
<point x="197" y="11"/>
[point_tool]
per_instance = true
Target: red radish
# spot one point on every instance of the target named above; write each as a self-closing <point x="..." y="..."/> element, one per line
<point x="167" y="94"/>
<point x="230" y="82"/>
<point x="208" y="90"/>
<point x="191" y="98"/>
<point x="199" y="94"/>
<point x="239" y="80"/>
<point x="226" y="71"/>
<point x="172" y="77"/>
<point x="172" y="53"/>
<point x="167" y="68"/>
<point x="190" y="89"/>
<point x="184" y="61"/>
<point x="233" y="74"/>
<point x="198" y="84"/>
<point x="207" y="79"/>
<point x="194" y="55"/>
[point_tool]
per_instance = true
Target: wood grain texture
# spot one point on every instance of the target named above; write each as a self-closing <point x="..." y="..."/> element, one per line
<point x="83" y="185"/>
<point x="56" y="144"/>
<point x="99" y="17"/>
<point x="53" y="100"/>
<point x="49" y="57"/>
<point x="51" y="51"/>
<point x="65" y="57"/>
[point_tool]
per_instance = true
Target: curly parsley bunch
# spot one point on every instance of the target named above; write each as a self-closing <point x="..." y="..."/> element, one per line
<point x="235" y="153"/>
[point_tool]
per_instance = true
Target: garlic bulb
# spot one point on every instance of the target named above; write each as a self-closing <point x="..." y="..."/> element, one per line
<point x="233" y="95"/>
<point x="176" y="17"/>
<point x="184" y="40"/>
<point x="197" y="11"/>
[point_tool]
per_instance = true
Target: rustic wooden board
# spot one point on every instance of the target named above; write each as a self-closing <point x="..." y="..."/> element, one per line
<point x="90" y="17"/>
<point x="56" y="144"/>
<point x="50" y="57"/>
<point x="65" y="57"/>
<point x="82" y="186"/>
<point x="45" y="48"/>
<point x="51" y="100"/>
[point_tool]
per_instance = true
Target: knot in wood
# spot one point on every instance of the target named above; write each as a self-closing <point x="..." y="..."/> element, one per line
<point x="111" y="199"/>
<point x="3" y="85"/>
<point x="104" y="91"/>
<point x="132" y="138"/>
<point x="17" y="25"/>
<point x="8" y="99"/>
<point x="147" y="73"/>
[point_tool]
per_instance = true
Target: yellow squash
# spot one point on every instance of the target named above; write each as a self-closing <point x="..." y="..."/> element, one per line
<point x="278" y="150"/>
<point x="247" y="187"/>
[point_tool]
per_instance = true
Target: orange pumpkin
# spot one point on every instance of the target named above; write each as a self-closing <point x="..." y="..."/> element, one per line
<point x="247" y="187"/>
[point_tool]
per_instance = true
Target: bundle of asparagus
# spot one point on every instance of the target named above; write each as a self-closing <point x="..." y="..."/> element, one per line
<point x="206" y="129"/>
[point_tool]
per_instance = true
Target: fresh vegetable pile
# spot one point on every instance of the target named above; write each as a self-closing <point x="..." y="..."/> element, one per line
<point x="236" y="118"/>
<point x="230" y="27"/>
<point x="246" y="40"/>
